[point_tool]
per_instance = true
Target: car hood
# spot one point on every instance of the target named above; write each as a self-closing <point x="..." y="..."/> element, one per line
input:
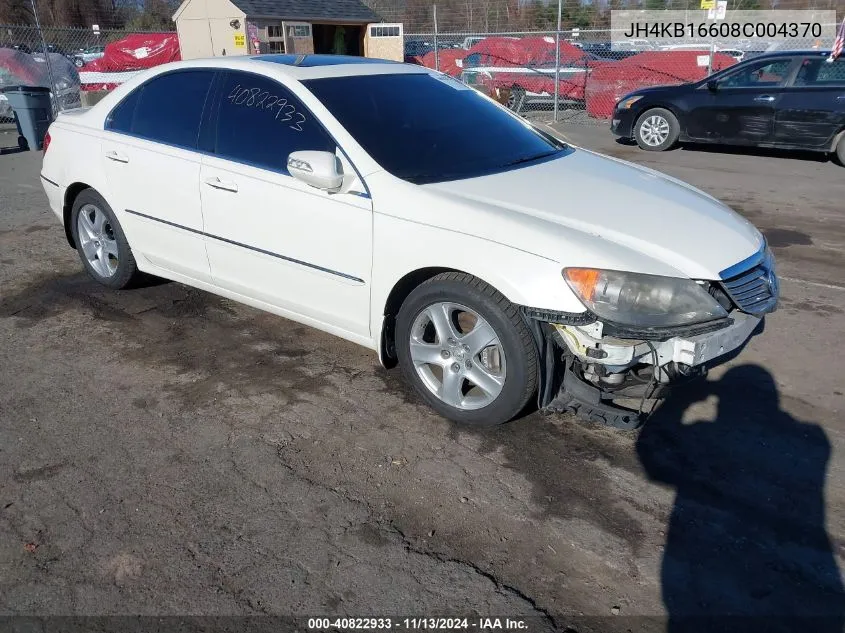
<point x="607" y="212"/>
<point x="650" y="90"/>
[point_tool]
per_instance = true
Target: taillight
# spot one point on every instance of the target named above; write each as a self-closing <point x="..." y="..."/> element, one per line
<point x="46" y="142"/>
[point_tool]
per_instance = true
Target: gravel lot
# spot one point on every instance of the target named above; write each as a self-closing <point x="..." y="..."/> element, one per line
<point x="164" y="451"/>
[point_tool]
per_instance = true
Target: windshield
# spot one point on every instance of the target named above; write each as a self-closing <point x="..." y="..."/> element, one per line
<point x="424" y="128"/>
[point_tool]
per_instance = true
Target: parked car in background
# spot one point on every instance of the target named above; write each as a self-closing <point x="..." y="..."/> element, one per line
<point x="604" y="51"/>
<point x="471" y="41"/>
<point x="417" y="48"/>
<point x="704" y="49"/>
<point x="736" y="53"/>
<point x="23" y="48"/>
<point x="88" y="55"/>
<point x="792" y="99"/>
<point x="634" y="45"/>
<point x="493" y="263"/>
<point x="526" y="69"/>
<point x="38" y="51"/>
<point x="609" y="82"/>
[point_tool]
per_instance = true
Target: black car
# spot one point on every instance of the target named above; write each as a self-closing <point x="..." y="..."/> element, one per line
<point x="792" y="99"/>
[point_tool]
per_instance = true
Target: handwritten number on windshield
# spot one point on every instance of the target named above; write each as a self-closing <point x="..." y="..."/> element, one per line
<point x="263" y="100"/>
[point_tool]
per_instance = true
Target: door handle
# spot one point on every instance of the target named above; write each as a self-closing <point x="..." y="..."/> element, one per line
<point x="840" y="98"/>
<point x="225" y="185"/>
<point x="117" y="157"/>
<point x="766" y="98"/>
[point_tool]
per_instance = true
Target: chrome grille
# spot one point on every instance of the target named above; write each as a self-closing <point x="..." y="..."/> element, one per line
<point x="756" y="290"/>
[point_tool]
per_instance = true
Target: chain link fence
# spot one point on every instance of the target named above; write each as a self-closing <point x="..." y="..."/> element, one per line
<point x="578" y="75"/>
<point x="575" y="75"/>
<point x="55" y="58"/>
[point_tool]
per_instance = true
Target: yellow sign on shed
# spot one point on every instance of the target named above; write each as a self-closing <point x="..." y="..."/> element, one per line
<point x="240" y="39"/>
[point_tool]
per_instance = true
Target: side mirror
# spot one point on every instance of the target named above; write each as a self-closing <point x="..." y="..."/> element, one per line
<point x="713" y="86"/>
<point x="318" y="169"/>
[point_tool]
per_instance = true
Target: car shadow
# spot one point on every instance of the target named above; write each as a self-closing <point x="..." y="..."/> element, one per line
<point x="627" y="142"/>
<point x="764" y="152"/>
<point x="746" y="546"/>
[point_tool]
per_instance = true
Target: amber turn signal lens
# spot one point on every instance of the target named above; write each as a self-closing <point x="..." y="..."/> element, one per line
<point x="584" y="280"/>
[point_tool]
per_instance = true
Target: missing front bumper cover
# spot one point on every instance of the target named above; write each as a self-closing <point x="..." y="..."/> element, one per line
<point x="586" y="365"/>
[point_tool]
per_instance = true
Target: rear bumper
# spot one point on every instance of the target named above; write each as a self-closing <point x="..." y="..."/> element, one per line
<point x="55" y="196"/>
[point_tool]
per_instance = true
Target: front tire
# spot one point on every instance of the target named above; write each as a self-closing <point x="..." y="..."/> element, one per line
<point x="840" y="150"/>
<point x="516" y="99"/>
<point x="656" y="130"/>
<point x="101" y="243"/>
<point x="466" y="350"/>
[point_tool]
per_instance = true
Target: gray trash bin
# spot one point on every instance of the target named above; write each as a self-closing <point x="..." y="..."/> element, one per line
<point x="33" y="113"/>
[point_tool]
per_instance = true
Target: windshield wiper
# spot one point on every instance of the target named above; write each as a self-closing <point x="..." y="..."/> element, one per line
<point x="531" y="159"/>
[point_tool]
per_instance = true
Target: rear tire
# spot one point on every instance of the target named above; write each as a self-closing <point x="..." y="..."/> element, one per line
<point x="101" y="243"/>
<point x="482" y="337"/>
<point x="656" y="130"/>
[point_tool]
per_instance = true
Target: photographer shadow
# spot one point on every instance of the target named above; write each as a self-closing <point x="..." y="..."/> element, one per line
<point x="746" y="546"/>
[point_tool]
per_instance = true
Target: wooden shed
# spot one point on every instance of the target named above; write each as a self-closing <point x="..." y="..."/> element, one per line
<point x="211" y="28"/>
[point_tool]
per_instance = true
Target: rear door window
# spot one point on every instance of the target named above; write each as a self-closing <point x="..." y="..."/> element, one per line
<point x="819" y="72"/>
<point x="260" y="122"/>
<point x="167" y="109"/>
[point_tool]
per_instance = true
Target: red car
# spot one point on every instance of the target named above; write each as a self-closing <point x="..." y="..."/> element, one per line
<point x="524" y="69"/>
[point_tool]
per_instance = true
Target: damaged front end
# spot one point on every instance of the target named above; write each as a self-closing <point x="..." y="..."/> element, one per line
<point x="611" y="373"/>
<point x="612" y="377"/>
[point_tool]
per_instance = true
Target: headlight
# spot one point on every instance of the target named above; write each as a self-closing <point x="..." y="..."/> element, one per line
<point x="628" y="102"/>
<point x="639" y="300"/>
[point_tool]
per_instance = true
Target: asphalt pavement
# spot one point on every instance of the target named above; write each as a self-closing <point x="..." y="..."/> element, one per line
<point x="165" y="451"/>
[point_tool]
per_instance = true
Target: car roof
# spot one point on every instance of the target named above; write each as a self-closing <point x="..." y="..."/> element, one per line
<point x="311" y="61"/>
<point x="304" y="67"/>
<point x="791" y="53"/>
<point x="283" y="68"/>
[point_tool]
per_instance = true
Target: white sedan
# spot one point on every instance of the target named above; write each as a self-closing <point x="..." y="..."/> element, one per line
<point x="395" y="207"/>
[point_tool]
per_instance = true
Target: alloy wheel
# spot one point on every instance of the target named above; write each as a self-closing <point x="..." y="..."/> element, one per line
<point x="458" y="355"/>
<point x="654" y="130"/>
<point x="97" y="239"/>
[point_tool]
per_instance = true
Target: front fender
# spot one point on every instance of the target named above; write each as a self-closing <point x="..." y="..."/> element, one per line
<point x="403" y="246"/>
